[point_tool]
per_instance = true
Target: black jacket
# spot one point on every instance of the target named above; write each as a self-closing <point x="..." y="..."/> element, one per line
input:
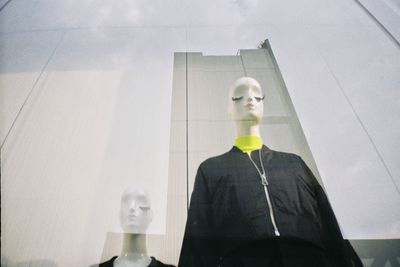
<point x="229" y="221"/>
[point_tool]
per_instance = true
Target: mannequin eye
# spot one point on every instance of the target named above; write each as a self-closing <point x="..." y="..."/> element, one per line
<point x="259" y="98"/>
<point x="238" y="98"/>
<point x="144" y="208"/>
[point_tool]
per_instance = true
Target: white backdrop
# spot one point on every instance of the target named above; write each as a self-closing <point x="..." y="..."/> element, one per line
<point x="98" y="115"/>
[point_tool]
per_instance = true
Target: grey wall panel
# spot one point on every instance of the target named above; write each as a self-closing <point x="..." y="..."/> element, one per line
<point x="177" y="170"/>
<point x="209" y="90"/>
<point x="252" y="59"/>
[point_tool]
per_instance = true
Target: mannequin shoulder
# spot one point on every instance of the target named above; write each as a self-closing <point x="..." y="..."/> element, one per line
<point x="157" y="263"/>
<point x="285" y="156"/>
<point x="218" y="161"/>
<point x="109" y="263"/>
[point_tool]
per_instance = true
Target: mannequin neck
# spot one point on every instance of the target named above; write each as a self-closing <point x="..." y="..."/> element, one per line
<point x="246" y="128"/>
<point x="134" y="251"/>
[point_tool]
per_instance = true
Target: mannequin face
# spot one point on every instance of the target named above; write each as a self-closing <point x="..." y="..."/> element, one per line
<point x="246" y="98"/>
<point x="135" y="212"/>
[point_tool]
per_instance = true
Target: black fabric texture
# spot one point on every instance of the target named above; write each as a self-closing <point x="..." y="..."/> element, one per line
<point x="229" y="222"/>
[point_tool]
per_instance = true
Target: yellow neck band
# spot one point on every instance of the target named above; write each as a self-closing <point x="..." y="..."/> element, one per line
<point x="248" y="143"/>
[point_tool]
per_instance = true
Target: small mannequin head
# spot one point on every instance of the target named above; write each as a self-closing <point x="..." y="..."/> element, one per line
<point x="246" y="101"/>
<point x="135" y="211"/>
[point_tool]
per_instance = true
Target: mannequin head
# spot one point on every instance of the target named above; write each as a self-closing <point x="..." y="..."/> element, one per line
<point x="135" y="211"/>
<point x="246" y="101"/>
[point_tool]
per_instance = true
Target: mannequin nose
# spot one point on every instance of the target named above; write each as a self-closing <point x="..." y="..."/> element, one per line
<point x="132" y="208"/>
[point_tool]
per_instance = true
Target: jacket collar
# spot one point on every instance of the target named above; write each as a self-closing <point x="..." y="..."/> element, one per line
<point x="235" y="149"/>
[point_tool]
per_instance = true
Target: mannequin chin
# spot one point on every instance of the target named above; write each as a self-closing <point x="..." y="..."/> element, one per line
<point x="135" y="211"/>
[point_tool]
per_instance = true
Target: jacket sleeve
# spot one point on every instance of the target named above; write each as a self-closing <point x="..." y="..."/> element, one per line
<point x="339" y="251"/>
<point x="199" y="247"/>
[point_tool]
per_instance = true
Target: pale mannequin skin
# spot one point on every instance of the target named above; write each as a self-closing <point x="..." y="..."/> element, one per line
<point x="135" y="218"/>
<point x="246" y="106"/>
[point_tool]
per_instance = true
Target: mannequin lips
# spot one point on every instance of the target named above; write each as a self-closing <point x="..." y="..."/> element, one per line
<point x="131" y="217"/>
<point x="250" y="106"/>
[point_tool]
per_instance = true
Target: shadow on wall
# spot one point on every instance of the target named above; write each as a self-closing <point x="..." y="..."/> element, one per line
<point x="6" y="262"/>
<point x="3" y="4"/>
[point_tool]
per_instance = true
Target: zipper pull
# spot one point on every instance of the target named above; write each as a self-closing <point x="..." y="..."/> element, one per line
<point x="264" y="179"/>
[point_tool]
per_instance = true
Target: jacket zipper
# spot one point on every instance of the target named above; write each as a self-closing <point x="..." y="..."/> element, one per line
<point x="264" y="182"/>
<point x="271" y="212"/>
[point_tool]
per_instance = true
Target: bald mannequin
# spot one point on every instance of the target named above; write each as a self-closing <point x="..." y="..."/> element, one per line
<point x="246" y="106"/>
<point x="135" y="218"/>
<point x="255" y="207"/>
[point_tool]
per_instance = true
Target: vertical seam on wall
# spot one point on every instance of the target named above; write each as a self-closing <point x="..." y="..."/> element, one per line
<point x="4" y="5"/>
<point x="32" y="89"/>
<point x="362" y="125"/>
<point x="380" y="25"/>
<point x="187" y="129"/>
<point x="241" y="60"/>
